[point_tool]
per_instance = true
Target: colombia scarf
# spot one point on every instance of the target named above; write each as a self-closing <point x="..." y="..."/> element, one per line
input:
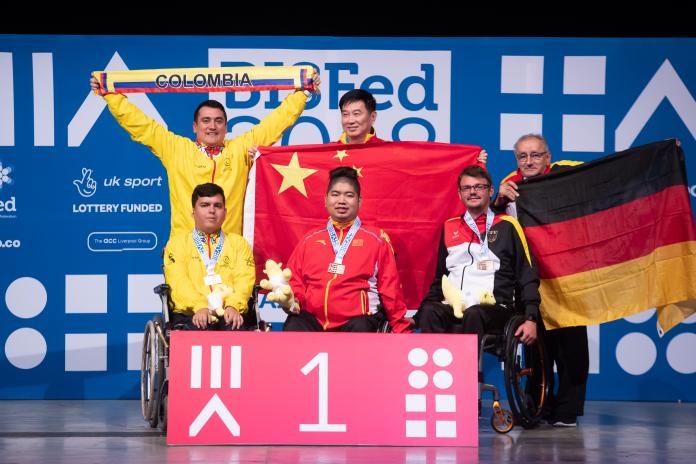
<point x="230" y="79"/>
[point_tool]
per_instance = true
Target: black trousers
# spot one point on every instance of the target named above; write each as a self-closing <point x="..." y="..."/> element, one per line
<point x="568" y="348"/>
<point x="436" y="317"/>
<point x="306" y="322"/>
<point x="183" y="321"/>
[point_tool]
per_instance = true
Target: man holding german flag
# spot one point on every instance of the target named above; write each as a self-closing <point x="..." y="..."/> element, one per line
<point x="566" y="347"/>
<point x="612" y="237"/>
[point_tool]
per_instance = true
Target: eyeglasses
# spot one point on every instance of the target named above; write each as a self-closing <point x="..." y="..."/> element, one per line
<point x="535" y="155"/>
<point x="476" y="188"/>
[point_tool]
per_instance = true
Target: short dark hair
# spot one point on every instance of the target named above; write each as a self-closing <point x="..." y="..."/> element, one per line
<point x="206" y="190"/>
<point x="346" y="174"/>
<point x="474" y="170"/>
<point x="357" y="95"/>
<point x="210" y="104"/>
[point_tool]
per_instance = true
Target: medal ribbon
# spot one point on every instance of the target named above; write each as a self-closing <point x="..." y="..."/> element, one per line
<point x="343" y="248"/>
<point x="472" y="225"/>
<point x="208" y="262"/>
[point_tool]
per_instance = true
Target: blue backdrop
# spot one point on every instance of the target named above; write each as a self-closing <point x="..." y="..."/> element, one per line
<point x="84" y="210"/>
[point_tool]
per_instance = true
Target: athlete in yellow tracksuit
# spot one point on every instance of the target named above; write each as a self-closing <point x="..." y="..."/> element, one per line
<point x="184" y="271"/>
<point x="196" y="260"/>
<point x="188" y="163"/>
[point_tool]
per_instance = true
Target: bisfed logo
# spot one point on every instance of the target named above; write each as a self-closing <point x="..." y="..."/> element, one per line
<point x="5" y="178"/>
<point x="87" y="186"/>
<point x="10" y="243"/>
<point x="412" y="90"/>
<point x="8" y="206"/>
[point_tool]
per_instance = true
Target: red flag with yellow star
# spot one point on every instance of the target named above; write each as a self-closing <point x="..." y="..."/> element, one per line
<point x="408" y="189"/>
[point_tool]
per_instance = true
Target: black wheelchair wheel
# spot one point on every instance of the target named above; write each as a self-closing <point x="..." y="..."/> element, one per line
<point x="163" y="409"/>
<point x="147" y="368"/>
<point x="527" y="377"/>
<point x="151" y="371"/>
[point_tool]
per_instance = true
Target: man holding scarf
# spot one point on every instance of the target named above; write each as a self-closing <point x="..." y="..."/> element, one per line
<point x="210" y="158"/>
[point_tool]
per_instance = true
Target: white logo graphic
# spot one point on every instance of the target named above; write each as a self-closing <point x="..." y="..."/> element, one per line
<point x="5" y="174"/>
<point x="86" y="186"/>
<point x="93" y="105"/>
<point x="665" y="84"/>
<point x="445" y="403"/>
<point x="215" y="405"/>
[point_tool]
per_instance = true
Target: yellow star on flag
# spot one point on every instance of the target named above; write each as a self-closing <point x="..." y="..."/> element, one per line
<point x="340" y="154"/>
<point x="359" y="171"/>
<point x="293" y="175"/>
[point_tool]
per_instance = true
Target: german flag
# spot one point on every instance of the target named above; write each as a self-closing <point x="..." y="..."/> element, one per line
<point x="613" y="237"/>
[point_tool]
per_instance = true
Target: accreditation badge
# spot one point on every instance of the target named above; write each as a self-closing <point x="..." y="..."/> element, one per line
<point x="212" y="279"/>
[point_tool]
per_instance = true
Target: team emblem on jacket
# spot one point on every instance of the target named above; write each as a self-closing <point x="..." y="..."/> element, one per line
<point x="492" y="236"/>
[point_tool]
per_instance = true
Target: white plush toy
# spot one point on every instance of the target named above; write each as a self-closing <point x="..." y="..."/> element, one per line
<point x="277" y="283"/>
<point x="216" y="301"/>
<point x="461" y="300"/>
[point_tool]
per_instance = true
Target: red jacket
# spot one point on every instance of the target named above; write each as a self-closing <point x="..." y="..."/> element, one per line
<point x="370" y="278"/>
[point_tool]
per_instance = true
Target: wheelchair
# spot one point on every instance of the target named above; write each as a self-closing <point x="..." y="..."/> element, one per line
<point x="527" y="375"/>
<point x="154" y="367"/>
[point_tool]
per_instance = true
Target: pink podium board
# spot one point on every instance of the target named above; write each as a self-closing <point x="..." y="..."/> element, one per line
<point x="322" y="388"/>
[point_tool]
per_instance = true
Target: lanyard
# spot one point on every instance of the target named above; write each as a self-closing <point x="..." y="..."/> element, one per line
<point x="343" y="248"/>
<point x="208" y="262"/>
<point x="472" y="225"/>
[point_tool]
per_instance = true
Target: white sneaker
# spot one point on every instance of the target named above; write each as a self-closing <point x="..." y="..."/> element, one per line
<point x="566" y="423"/>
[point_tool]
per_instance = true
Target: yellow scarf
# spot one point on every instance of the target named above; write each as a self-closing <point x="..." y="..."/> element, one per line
<point x="236" y="79"/>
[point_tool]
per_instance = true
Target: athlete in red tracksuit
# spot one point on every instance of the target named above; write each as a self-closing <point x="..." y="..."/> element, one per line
<point x="342" y="273"/>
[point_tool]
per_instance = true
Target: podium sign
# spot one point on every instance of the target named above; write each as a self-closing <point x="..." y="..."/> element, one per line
<point x="323" y="389"/>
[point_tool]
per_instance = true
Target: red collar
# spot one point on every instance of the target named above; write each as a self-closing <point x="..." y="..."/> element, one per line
<point x="210" y="150"/>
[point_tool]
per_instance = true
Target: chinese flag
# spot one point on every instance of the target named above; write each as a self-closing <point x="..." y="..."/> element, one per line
<point x="408" y="189"/>
<point x="613" y="237"/>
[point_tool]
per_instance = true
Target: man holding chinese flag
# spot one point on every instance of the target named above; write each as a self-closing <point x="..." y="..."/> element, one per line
<point x="344" y="272"/>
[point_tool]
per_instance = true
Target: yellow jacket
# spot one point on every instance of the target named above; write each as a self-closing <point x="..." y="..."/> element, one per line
<point x="184" y="272"/>
<point x="187" y="165"/>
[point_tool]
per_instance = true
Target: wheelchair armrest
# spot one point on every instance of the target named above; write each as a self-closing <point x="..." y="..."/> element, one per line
<point x="162" y="290"/>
